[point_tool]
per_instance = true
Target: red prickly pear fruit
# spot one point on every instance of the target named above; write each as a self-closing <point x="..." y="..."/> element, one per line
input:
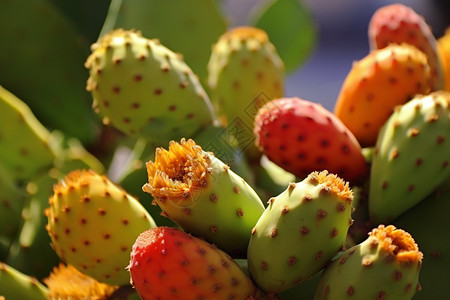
<point x="167" y="263"/>
<point x="302" y="136"/>
<point x="398" y="23"/>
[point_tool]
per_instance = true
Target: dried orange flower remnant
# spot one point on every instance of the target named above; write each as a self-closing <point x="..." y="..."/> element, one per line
<point x="336" y="184"/>
<point x="397" y="242"/>
<point x="245" y="33"/>
<point x="66" y="282"/>
<point x="178" y="172"/>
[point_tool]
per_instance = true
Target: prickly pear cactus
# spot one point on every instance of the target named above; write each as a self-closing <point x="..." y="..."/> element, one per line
<point x="312" y="217"/>
<point x="301" y="137"/>
<point x="26" y="147"/>
<point x="93" y="223"/>
<point x="411" y="156"/>
<point x="43" y="54"/>
<point x="17" y="285"/>
<point x="31" y="252"/>
<point x="204" y="196"/>
<point x="431" y="235"/>
<point x="384" y="266"/>
<point x="11" y="203"/>
<point x="399" y="23"/>
<point x="202" y="270"/>
<point x="188" y="27"/>
<point x="244" y="73"/>
<point x="377" y="83"/>
<point x="144" y="89"/>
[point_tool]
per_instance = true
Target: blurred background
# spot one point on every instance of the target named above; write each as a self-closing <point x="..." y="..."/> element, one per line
<point x="342" y="39"/>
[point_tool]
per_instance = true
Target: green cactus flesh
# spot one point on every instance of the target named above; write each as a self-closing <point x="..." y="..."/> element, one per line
<point x="42" y="57"/>
<point x="384" y="266"/>
<point x="312" y="217"/>
<point x="144" y="89"/>
<point x="187" y="27"/>
<point x="411" y="156"/>
<point x="204" y="196"/>
<point x="244" y="73"/>
<point x="25" y="144"/>
<point x="11" y="203"/>
<point x="428" y="222"/>
<point x="31" y="252"/>
<point x="297" y="21"/>
<point x="17" y="285"/>
<point x="93" y="223"/>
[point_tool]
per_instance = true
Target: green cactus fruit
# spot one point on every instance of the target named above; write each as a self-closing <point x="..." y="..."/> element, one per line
<point x="384" y="266"/>
<point x="187" y="27"/>
<point x="67" y="282"/>
<point x="411" y="156"/>
<point x="204" y="196"/>
<point x="17" y="285"/>
<point x="300" y="231"/>
<point x="144" y="89"/>
<point x="93" y="223"/>
<point x="25" y="144"/>
<point x="431" y="233"/>
<point x="51" y="77"/>
<point x="244" y="73"/>
<point x="31" y="252"/>
<point x="11" y="203"/>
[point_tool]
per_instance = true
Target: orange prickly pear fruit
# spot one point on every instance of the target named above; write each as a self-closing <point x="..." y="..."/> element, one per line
<point x="376" y="84"/>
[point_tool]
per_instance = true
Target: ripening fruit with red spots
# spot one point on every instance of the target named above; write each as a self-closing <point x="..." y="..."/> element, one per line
<point x="376" y="84"/>
<point x="167" y="263"/>
<point x="399" y="23"/>
<point x="302" y="136"/>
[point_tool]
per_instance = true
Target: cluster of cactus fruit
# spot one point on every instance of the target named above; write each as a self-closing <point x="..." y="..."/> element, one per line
<point x="228" y="189"/>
